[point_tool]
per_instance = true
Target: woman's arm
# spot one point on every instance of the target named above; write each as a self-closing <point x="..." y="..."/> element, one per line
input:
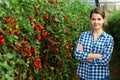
<point x="108" y="49"/>
<point x="90" y="55"/>
<point x="79" y="54"/>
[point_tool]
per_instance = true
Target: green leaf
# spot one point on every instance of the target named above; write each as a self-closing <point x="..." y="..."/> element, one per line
<point x="9" y="77"/>
<point x="20" y="61"/>
<point x="11" y="37"/>
<point x="49" y="28"/>
<point x="9" y="55"/>
<point x="36" y="70"/>
<point x="4" y="64"/>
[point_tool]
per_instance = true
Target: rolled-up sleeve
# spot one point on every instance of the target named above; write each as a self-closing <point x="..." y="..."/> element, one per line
<point x="80" y="55"/>
<point x="104" y="60"/>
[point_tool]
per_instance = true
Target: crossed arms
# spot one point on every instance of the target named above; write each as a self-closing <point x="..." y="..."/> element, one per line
<point x="90" y="56"/>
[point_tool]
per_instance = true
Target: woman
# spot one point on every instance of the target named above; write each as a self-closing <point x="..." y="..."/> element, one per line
<point x="94" y="49"/>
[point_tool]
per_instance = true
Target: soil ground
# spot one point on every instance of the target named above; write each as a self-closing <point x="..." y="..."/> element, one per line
<point x="115" y="66"/>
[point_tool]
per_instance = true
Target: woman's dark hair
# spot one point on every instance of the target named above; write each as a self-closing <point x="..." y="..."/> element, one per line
<point x="98" y="10"/>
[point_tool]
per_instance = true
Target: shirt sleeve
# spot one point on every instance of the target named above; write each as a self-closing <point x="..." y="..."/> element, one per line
<point x="104" y="60"/>
<point x="80" y="55"/>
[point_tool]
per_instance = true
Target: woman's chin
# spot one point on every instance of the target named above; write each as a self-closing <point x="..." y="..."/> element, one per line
<point x="96" y="28"/>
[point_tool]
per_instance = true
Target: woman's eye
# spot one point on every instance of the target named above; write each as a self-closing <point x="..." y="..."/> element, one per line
<point x="96" y="19"/>
<point x="99" y="18"/>
<point x="93" y="19"/>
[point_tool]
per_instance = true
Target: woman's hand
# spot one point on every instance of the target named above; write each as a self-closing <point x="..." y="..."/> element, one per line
<point x="89" y="60"/>
<point x="80" y="47"/>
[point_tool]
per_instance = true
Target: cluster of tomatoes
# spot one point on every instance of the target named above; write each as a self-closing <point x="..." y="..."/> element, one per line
<point x="41" y="32"/>
<point x="10" y="20"/>
<point x="2" y="40"/>
<point x="22" y="47"/>
<point x="37" y="62"/>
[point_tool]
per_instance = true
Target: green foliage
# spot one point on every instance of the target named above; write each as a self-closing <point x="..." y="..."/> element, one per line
<point x="114" y="27"/>
<point x="38" y="37"/>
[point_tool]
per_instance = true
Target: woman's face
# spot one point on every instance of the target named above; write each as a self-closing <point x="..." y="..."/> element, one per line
<point x="96" y="21"/>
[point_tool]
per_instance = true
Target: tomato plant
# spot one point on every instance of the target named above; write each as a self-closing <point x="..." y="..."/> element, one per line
<point x="38" y="37"/>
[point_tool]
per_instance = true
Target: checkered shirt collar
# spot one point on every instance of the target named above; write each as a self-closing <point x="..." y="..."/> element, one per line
<point x="103" y="33"/>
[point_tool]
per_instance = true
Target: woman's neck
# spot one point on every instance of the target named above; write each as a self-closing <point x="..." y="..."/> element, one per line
<point x="97" y="33"/>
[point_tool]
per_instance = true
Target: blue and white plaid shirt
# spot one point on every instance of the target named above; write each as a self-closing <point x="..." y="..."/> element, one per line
<point x="99" y="68"/>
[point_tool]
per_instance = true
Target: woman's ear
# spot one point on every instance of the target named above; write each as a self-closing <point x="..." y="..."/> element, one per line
<point x="104" y="20"/>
